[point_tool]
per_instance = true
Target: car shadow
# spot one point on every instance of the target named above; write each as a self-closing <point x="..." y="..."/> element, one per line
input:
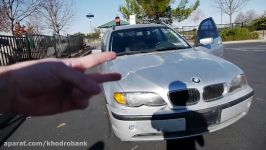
<point x="187" y="123"/>
<point x="8" y="125"/>
<point x="97" y="146"/>
<point x="186" y="143"/>
<point x="195" y="125"/>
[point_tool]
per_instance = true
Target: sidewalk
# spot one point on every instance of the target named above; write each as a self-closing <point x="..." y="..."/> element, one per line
<point x="236" y="42"/>
<point x="245" y="41"/>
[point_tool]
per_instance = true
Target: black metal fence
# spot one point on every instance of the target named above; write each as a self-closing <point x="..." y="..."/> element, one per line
<point x="189" y="32"/>
<point x="13" y="50"/>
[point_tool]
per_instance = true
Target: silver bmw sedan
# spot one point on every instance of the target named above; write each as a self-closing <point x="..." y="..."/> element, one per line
<point x="170" y="89"/>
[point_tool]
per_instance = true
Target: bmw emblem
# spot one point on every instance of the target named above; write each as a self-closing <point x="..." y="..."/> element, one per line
<point x="196" y="80"/>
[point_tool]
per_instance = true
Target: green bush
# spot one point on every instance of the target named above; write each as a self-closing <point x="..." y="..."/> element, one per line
<point x="190" y="35"/>
<point x="259" y="24"/>
<point x="254" y="35"/>
<point x="237" y="34"/>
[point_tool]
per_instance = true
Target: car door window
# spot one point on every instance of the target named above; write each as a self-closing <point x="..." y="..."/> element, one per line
<point x="207" y="29"/>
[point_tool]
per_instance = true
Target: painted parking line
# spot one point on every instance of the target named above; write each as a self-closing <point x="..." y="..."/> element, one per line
<point x="247" y="49"/>
<point x="261" y="45"/>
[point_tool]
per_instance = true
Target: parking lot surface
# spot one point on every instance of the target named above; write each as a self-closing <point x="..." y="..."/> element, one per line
<point x="92" y="125"/>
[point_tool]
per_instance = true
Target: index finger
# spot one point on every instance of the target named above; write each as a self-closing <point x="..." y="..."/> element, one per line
<point x="90" y="60"/>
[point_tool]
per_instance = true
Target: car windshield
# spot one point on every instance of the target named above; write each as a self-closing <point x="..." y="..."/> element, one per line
<point x="147" y="39"/>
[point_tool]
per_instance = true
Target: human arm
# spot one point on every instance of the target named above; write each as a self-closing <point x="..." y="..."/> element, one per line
<point x="50" y="86"/>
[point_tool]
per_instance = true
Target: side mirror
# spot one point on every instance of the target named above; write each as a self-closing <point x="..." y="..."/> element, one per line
<point x="95" y="51"/>
<point x="206" y="41"/>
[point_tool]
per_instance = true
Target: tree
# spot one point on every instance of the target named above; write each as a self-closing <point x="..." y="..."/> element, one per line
<point x="95" y="35"/>
<point x="132" y="7"/>
<point x="19" y="30"/>
<point x="17" y="11"/>
<point x="251" y="15"/>
<point x="35" y="21"/>
<point x="246" y="17"/>
<point x="3" y="17"/>
<point x="57" y="13"/>
<point x="182" y="12"/>
<point x="79" y="34"/>
<point x="154" y="10"/>
<point x="197" y="16"/>
<point x="241" y="17"/>
<point x="259" y="23"/>
<point x="230" y="7"/>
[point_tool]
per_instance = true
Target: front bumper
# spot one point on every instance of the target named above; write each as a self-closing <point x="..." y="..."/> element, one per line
<point x="180" y="124"/>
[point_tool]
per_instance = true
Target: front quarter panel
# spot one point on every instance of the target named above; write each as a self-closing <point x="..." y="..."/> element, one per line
<point x="109" y="88"/>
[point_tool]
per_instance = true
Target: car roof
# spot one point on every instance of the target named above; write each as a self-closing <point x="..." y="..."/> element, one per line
<point x="124" y="27"/>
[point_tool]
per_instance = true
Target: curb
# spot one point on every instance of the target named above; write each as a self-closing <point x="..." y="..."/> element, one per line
<point x="237" y="42"/>
<point x="244" y="41"/>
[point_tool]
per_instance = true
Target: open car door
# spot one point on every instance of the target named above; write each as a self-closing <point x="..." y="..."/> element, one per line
<point x="208" y="38"/>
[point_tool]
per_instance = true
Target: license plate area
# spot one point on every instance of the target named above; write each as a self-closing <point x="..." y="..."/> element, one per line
<point x="202" y="120"/>
<point x="171" y="125"/>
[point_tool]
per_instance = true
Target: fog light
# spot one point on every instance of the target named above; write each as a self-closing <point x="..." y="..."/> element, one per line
<point x="249" y="104"/>
<point x="119" y="98"/>
<point x="131" y="127"/>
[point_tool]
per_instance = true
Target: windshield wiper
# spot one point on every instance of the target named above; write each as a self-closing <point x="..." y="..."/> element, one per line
<point x="132" y="52"/>
<point x="148" y="51"/>
<point x="170" y="48"/>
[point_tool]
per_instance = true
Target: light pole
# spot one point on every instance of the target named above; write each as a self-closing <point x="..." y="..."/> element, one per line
<point x="90" y="16"/>
<point x="221" y="16"/>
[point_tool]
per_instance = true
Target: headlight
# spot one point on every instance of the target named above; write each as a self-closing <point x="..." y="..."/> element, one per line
<point x="136" y="99"/>
<point x="238" y="82"/>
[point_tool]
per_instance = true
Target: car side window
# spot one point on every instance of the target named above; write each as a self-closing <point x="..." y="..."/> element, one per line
<point x="208" y="29"/>
<point x="104" y="42"/>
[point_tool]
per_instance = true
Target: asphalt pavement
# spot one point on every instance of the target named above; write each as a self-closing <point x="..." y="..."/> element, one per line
<point x="92" y="125"/>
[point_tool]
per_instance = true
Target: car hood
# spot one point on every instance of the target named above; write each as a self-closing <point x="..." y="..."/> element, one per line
<point x="172" y="70"/>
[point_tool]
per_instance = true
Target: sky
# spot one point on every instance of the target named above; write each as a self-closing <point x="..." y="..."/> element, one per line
<point x="106" y="10"/>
